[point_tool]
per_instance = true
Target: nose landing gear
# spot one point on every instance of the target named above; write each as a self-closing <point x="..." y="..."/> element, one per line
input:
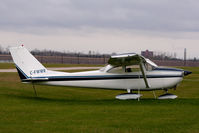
<point x="167" y="96"/>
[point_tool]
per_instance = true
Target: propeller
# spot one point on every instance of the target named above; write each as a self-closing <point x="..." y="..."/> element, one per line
<point x="187" y="73"/>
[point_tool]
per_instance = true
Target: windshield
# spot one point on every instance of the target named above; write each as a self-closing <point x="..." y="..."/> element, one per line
<point x="149" y="67"/>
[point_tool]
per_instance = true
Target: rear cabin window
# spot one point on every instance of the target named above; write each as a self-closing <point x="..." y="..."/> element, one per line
<point x="116" y="70"/>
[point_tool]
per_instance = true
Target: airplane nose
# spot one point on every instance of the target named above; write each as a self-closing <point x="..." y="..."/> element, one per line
<point x="187" y="73"/>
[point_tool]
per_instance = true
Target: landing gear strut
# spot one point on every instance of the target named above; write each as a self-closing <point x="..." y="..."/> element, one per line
<point x="154" y="95"/>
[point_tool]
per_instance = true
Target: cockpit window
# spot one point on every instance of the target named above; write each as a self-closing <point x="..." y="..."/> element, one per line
<point x="133" y="68"/>
<point x="127" y="69"/>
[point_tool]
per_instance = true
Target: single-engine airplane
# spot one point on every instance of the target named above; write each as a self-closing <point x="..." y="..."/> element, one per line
<point x="131" y="72"/>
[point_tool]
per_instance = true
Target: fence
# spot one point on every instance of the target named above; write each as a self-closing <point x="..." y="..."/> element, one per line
<point x="72" y="60"/>
<point x="5" y="58"/>
<point x="97" y="60"/>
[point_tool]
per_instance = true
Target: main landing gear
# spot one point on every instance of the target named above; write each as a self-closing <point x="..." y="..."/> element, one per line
<point x="129" y="95"/>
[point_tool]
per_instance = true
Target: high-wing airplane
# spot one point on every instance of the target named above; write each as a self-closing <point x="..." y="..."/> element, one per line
<point x="131" y="72"/>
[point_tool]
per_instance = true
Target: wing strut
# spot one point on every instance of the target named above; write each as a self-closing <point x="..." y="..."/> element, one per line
<point x="143" y="73"/>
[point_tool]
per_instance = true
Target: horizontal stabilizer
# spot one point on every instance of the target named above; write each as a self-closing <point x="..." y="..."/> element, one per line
<point x="36" y="79"/>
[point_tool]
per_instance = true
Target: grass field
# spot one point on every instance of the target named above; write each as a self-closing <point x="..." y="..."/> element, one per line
<point x="82" y="110"/>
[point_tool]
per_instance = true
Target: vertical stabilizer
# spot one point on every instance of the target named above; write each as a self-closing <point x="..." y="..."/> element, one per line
<point x="27" y="65"/>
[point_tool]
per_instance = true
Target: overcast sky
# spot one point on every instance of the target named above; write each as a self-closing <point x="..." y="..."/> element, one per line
<point x="103" y="26"/>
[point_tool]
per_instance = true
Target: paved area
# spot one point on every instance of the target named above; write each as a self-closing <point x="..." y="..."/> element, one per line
<point x="56" y="68"/>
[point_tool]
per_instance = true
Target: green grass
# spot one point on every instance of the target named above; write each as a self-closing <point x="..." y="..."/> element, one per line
<point x="7" y="65"/>
<point x="11" y="65"/>
<point x="83" y="110"/>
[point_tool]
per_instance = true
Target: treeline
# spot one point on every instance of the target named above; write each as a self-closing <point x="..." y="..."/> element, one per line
<point x="68" y="54"/>
<point x="5" y="51"/>
<point x="93" y="54"/>
<point x="165" y="56"/>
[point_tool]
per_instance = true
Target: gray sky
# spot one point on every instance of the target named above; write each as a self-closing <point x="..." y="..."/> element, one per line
<point x="103" y="26"/>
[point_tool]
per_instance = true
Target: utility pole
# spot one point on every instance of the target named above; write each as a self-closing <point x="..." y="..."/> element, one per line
<point x="185" y="57"/>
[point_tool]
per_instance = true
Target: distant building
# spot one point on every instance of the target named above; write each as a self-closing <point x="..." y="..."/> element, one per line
<point x="147" y="54"/>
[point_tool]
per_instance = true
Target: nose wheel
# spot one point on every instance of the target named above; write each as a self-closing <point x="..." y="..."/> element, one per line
<point x="167" y="96"/>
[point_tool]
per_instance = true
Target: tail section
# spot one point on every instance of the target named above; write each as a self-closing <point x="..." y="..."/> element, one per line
<point x="27" y="65"/>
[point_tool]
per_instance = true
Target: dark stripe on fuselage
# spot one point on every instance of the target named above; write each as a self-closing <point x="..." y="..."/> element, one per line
<point x="168" y="69"/>
<point x="104" y="77"/>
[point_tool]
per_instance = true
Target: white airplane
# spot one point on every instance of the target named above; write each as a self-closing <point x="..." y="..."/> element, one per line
<point x="131" y="72"/>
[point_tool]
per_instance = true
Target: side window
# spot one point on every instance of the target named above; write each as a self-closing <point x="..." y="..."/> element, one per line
<point x="133" y="68"/>
<point x="128" y="69"/>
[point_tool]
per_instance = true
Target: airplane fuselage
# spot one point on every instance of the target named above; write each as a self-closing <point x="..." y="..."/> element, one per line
<point x="128" y="71"/>
<point x="160" y="78"/>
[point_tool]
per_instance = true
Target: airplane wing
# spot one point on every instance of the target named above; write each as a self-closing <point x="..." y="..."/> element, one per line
<point x="125" y="59"/>
<point x="131" y="59"/>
